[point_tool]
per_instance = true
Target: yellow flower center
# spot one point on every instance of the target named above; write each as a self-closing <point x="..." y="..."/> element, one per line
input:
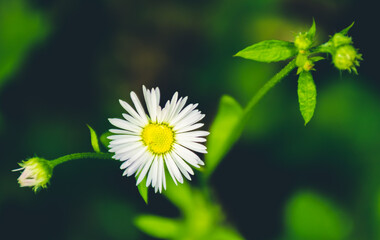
<point x="158" y="137"/>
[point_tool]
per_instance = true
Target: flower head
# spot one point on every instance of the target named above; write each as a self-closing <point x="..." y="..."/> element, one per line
<point x="165" y="138"/>
<point x="36" y="173"/>
<point x="347" y="58"/>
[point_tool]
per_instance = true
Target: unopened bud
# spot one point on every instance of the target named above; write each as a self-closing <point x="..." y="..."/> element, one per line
<point x="346" y="58"/>
<point x="302" y="41"/>
<point x="36" y="173"/>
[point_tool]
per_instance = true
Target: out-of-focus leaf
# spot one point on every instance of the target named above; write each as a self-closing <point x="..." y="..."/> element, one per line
<point x="104" y="140"/>
<point x="20" y="28"/>
<point x="225" y="233"/>
<point x="94" y="139"/>
<point x="269" y="51"/>
<point x="345" y="31"/>
<point x="310" y="216"/>
<point x="307" y="95"/>
<point x="180" y="195"/>
<point x="224" y="132"/>
<point x="159" y="227"/>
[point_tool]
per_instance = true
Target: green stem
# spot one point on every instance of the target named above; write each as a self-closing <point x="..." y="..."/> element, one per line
<point x="270" y="84"/>
<point x="74" y="156"/>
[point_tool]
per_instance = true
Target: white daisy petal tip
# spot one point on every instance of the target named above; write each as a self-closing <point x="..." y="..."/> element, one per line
<point x="145" y="140"/>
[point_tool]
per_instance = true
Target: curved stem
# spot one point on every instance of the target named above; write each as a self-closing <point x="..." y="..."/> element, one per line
<point x="270" y="84"/>
<point x="74" y="156"/>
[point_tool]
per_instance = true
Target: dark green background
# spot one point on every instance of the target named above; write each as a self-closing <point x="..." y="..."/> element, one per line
<point x="96" y="52"/>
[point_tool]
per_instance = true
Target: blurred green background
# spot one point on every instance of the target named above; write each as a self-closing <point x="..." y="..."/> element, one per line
<point x="65" y="63"/>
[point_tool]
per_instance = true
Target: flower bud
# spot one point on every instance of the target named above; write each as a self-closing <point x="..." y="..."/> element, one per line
<point x="36" y="173"/>
<point x="346" y="58"/>
<point x="340" y="39"/>
<point x="302" y="41"/>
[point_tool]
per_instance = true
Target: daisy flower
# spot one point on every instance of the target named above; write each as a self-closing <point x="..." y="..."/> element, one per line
<point x="163" y="138"/>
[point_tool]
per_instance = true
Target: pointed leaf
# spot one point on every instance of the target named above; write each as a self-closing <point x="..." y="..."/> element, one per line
<point x="307" y="95"/>
<point x="345" y="31"/>
<point x="94" y="139"/>
<point x="224" y="132"/>
<point x="269" y="51"/>
<point x="311" y="32"/>
<point x="143" y="190"/>
<point x="159" y="227"/>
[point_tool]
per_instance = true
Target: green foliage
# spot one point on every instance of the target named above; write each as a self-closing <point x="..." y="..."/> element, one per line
<point x="345" y="31"/>
<point x="225" y="130"/>
<point x="225" y="233"/>
<point x="311" y="32"/>
<point x="269" y="51"/>
<point x="21" y="27"/>
<point x="143" y="190"/>
<point x="94" y="139"/>
<point x="307" y="95"/>
<point x="201" y="218"/>
<point x="312" y="217"/>
<point x="159" y="227"/>
<point x="104" y="140"/>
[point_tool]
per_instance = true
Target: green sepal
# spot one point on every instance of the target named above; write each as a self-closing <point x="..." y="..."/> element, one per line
<point x="345" y="31"/>
<point x="316" y="59"/>
<point x="311" y="32"/>
<point x="159" y="227"/>
<point x="104" y="139"/>
<point x="143" y="190"/>
<point x="94" y="139"/>
<point x="307" y="95"/>
<point x="224" y="132"/>
<point x="269" y="51"/>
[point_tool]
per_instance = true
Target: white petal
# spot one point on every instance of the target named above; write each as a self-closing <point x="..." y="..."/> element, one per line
<point x="189" y="120"/>
<point x="125" y="139"/>
<point x="173" y="169"/>
<point x="130" y="110"/>
<point x="124" y="125"/>
<point x="152" y="172"/>
<point x="144" y="171"/>
<point x="187" y="155"/>
<point x="190" y="128"/>
<point x="182" y="166"/>
<point x="194" y="146"/>
<point x="183" y="113"/>
<point x="139" y="107"/>
<point x="133" y="121"/>
<point x="119" y="131"/>
<point x="126" y="147"/>
<point x="193" y="134"/>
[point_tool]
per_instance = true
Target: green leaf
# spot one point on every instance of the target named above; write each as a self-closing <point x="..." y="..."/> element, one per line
<point x="159" y="227"/>
<point x="225" y="233"/>
<point x="307" y="95"/>
<point x="224" y="132"/>
<point x="143" y="190"/>
<point x="345" y="31"/>
<point x="21" y="28"/>
<point x="269" y="51"/>
<point x="312" y="217"/>
<point x="311" y="32"/>
<point x="94" y="139"/>
<point x="104" y="140"/>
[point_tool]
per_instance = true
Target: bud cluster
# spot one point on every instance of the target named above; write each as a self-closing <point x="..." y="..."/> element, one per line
<point x="345" y="56"/>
